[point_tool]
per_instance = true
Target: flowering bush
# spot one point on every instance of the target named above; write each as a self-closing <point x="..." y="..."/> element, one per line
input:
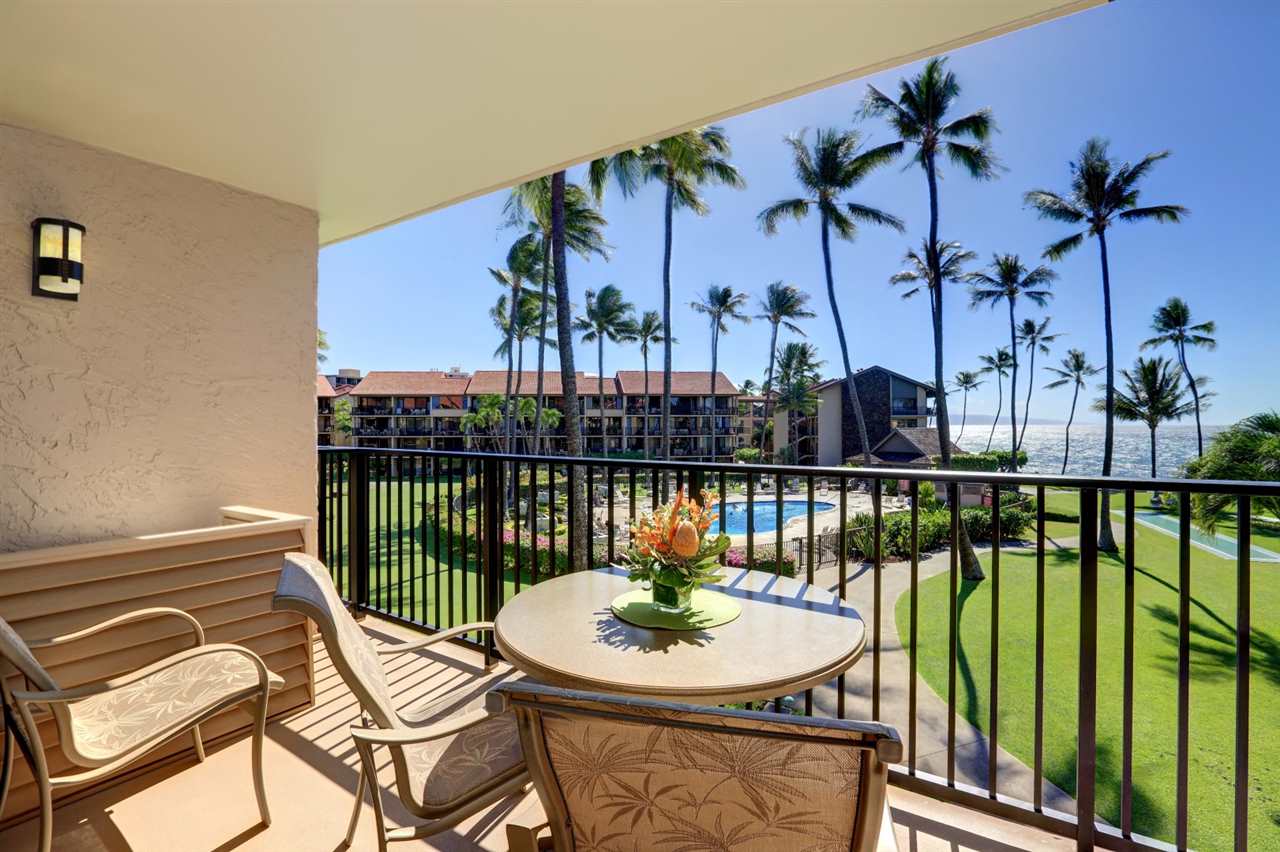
<point x="670" y="546"/>
<point x="762" y="560"/>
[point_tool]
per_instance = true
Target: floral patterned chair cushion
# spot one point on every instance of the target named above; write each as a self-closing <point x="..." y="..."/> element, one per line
<point x="114" y="722"/>
<point x="646" y="775"/>
<point x="445" y="769"/>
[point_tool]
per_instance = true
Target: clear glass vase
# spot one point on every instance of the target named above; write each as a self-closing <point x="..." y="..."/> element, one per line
<point x="674" y="599"/>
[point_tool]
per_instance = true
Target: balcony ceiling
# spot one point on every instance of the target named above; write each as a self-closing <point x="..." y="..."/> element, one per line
<point x="373" y="112"/>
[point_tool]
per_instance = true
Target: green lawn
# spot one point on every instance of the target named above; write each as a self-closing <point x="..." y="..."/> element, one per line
<point x="405" y="572"/>
<point x="1213" y="599"/>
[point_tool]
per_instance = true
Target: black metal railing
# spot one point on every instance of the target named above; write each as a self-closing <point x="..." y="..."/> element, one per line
<point x="438" y="538"/>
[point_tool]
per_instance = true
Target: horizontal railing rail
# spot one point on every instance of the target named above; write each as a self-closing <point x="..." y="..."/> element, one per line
<point x="436" y="538"/>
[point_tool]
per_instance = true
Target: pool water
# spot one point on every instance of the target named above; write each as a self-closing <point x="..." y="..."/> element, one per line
<point x="1217" y="543"/>
<point x="733" y="516"/>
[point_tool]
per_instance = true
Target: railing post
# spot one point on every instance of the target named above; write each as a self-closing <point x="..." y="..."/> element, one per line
<point x="358" y="530"/>
<point x="1087" y="696"/>
<point x="491" y="546"/>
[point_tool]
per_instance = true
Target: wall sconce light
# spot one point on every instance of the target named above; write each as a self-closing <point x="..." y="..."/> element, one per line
<point x="57" y="265"/>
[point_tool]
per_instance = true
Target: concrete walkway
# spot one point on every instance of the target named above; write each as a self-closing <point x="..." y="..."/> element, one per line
<point x="1014" y="778"/>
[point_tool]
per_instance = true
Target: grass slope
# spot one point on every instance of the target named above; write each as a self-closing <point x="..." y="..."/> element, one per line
<point x="1213" y="648"/>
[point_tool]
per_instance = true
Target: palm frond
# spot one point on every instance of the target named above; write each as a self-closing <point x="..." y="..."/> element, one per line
<point x="1063" y="247"/>
<point x="1160" y="212"/>
<point x="795" y="208"/>
<point x="874" y="216"/>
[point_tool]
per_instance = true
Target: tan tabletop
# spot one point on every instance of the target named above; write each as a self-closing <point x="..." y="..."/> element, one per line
<point x="790" y="636"/>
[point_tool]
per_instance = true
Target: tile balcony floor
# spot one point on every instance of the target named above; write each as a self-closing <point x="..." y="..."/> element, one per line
<point x="311" y="775"/>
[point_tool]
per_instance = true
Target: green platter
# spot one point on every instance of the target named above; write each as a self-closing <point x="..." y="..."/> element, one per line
<point x="707" y="609"/>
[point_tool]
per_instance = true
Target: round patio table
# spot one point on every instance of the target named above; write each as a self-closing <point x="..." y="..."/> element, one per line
<point x="790" y="636"/>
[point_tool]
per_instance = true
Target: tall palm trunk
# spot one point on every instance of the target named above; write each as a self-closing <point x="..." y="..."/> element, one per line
<point x="668" y="209"/>
<point x="519" y="381"/>
<point x="768" y="381"/>
<point x="644" y="354"/>
<point x="542" y="343"/>
<point x="1153" y="452"/>
<point x="1195" y="395"/>
<point x="1013" y="393"/>
<point x="568" y="377"/>
<point x="1031" y="385"/>
<point x="999" y="408"/>
<point x="509" y="415"/>
<point x="715" y="345"/>
<point x="844" y="346"/>
<point x="1066" y="450"/>
<point x="1106" y="539"/>
<point x="604" y="430"/>
<point x="970" y="567"/>
<point x="964" y="415"/>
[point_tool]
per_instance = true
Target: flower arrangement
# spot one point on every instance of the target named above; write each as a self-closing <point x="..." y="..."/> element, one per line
<point x="671" y="550"/>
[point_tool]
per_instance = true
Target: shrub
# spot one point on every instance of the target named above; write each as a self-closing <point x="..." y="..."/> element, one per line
<point x="928" y="497"/>
<point x="991" y="461"/>
<point x="747" y="455"/>
<point x="763" y="560"/>
<point x="934" y="530"/>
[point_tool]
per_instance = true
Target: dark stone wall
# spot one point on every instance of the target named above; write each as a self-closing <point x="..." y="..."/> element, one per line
<point x="874" y="394"/>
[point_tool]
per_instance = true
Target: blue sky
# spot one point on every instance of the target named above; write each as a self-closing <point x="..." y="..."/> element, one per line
<point x="1147" y="75"/>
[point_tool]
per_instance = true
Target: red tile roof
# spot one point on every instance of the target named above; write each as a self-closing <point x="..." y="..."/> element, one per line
<point x="495" y="381"/>
<point x="324" y="390"/>
<point x="683" y="383"/>
<point x="411" y="383"/>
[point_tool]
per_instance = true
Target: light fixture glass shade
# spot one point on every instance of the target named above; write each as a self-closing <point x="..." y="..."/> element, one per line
<point x="58" y="265"/>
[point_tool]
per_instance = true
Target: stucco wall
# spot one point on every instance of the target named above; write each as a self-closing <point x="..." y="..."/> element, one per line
<point x="184" y="377"/>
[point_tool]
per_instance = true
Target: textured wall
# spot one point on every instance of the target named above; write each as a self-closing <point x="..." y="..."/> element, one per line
<point x="184" y="377"/>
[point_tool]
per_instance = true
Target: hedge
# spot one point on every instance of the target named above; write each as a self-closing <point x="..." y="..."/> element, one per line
<point x="934" y="532"/>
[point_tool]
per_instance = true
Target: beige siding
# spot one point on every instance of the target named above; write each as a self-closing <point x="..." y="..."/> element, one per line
<point x="224" y="576"/>
<point x="830" y="422"/>
<point x="184" y="377"/>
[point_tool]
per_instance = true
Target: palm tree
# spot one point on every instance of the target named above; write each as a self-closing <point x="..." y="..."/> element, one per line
<point x="749" y="386"/>
<point x="1035" y="337"/>
<point x="1075" y="370"/>
<point x="1009" y="280"/>
<point x="795" y="396"/>
<point x="528" y="322"/>
<point x="782" y="304"/>
<point x="524" y="263"/>
<point x="1153" y="394"/>
<point x="529" y="206"/>
<point x="485" y="417"/>
<point x="965" y="380"/>
<point x="649" y="330"/>
<point x="719" y="304"/>
<point x="322" y="346"/>
<point x="682" y="163"/>
<point x="834" y="166"/>
<point x="1101" y="193"/>
<point x="1000" y="364"/>
<point x="1249" y="450"/>
<point x="919" y="117"/>
<point x="607" y="316"/>
<point x="1172" y="324"/>
<point x="799" y="362"/>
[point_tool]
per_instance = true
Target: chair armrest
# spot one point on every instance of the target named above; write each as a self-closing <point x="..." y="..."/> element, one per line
<point x="127" y="618"/>
<point x="442" y="636"/>
<point x="67" y="696"/>
<point x="412" y="736"/>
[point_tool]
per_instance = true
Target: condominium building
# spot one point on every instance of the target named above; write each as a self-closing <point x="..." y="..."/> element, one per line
<point x="423" y="410"/>
<point x="327" y="396"/>
<point x="889" y="401"/>
<point x="410" y="409"/>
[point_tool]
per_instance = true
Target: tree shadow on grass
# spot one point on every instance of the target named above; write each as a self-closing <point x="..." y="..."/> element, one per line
<point x="1213" y="652"/>
<point x="1148" y="814"/>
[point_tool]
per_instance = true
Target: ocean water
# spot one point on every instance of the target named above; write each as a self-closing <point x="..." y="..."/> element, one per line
<point x="1175" y="446"/>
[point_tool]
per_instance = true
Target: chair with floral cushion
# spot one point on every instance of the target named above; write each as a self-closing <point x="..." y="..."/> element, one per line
<point x="449" y="764"/>
<point x="103" y="727"/>
<point x="676" y="776"/>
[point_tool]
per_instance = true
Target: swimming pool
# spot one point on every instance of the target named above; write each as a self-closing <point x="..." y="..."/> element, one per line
<point x="1216" y="543"/>
<point x="733" y="516"/>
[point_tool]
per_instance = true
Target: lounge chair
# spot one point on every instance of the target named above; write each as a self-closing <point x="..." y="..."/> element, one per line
<point x="103" y="727"/>
<point x="450" y="762"/>
<point x="677" y="776"/>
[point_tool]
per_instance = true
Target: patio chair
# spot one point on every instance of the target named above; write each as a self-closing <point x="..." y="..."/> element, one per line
<point x="103" y="727"/>
<point x="674" y="775"/>
<point x="448" y="764"/>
